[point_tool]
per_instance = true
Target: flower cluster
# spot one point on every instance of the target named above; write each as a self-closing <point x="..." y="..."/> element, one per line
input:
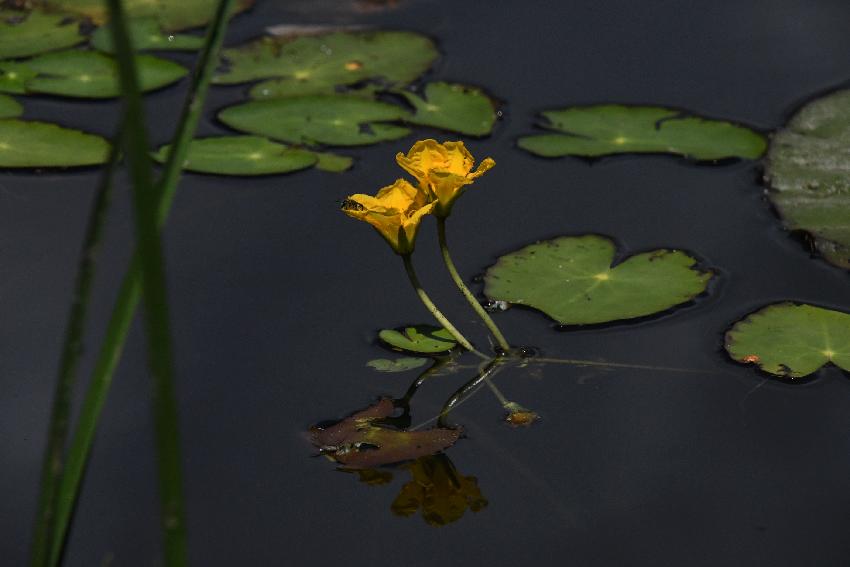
<point x="443" y="171"/>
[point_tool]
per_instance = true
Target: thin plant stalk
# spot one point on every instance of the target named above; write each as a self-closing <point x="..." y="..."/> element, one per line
<point x="487" y="371"/>
<point x="438" y="315"/>
<point x="72" y="348"/>
<point x="476" y="305"/>
<point x="130" y="292"/>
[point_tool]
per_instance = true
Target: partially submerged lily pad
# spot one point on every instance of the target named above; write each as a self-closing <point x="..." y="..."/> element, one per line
<point x="598" y="130"/>
<point x="146" y="34"/>
<point x="326" y="119"/>
<point x="89" y="74"/>
<point x="14" y="77"/>
<point x="808" y="169"/>
<point x="171" y="14"/>
<point x="335" y="163"/>
<point x="317" y="64"/>
<point x="790" y="340"/>
<point x="423" y="339"/>
<point x="397" y="365"/>
<point x="456" y="108"/>
<point x="24" y="33"/>
<point x="38" y="144"/>
<point x="571" y="279"/>
<point x="241" y="155"/>
<point x="9" y="107"/>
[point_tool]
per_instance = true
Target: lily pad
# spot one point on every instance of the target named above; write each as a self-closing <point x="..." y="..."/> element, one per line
<point x="808" y="169"/>
<point x="171" y="14"/>
<point x="25" y="33"/>
<point x="317" y="64"/>
<point x="423" y="339"/>
<point x="334" y="163"/>
<point x="791" y="340"/>
<point x="89" y="74"/>
<point x="14" y="77"/>
<point x="397" y="365"/>
<point x="39" y="144"/>
<point x="572" y="280"/>
<point x="9" y="107"/>
<point x="599" y="130"/>
<point x="327" y="119"/>
<point x="146" y="34"/>
<point x="241" y="155"/>
<point x="456" y="108"/>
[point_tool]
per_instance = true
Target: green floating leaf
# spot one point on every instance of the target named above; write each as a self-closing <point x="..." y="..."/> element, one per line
<point x="572" y="280"/>
<point x="327" y="119"/>
<point x="333" y="163"/>
<point x="14" y="77"/>
<point x="39" y="144"/>
<point x="791" y="340"/>
<point x="25" y="33"/>
<point x="808" y="169"/>
<point x="88" y="74"/>
<point x="456" y="108"/>
<point x="241" y="155"/>
<point x="171" y="14"/>
<point x="599" y="130"/>
<point x="317" y="64"/>
<point x="146" y="34"/>
<point x="397" y="365"/>
<point x="9" y="107"/>
<point x="422" y="339"/>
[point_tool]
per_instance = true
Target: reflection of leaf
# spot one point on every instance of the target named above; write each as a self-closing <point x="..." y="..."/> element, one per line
<point x="145" y="34"/>
<point x="359" y="441"/>
<point x="572" y="280"/>
<point x="424" y="339"/>
<point x="615" y="129"/>
<point x="397" y="365"/>
<point x="439" y="491"/>
<point x="456" y="108"/>
<point x="241" y="155"/>
<point x="39" y="144"/>
<point x="24" y="33"/>
<point x="808" y="169"/>
<point x="791" y="340"/>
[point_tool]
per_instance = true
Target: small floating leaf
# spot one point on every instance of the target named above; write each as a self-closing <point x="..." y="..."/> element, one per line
<point x="327" y="119"/>
<point x="572" y="280"/>
<point x="397" y="365"/>
<point x="456" y="108"/>
<point x="14" y="77"/>
<point x="39" y="144"/>
<point x="171" y="14"/>
<point x="9" y="107"/>
<point x="334" y="163"/>
<point x="316" y="64"/>
<point x="791" y="340"/>
<point x="89" y="74"/>
<point x="241" y="155"/>
<point x="808" y="169"/>
<point x="424" y="339"/>
<point x="25" y="33"/>
<point x="599" y="130"/>
<point x="145" y="34"/>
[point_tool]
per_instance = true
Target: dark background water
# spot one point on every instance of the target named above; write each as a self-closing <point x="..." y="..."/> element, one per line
<point x="276" y="297"/>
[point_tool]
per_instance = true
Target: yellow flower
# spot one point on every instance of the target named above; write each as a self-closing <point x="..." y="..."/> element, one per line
<point x="395" y="212"/>
<point x="443" y="170"/>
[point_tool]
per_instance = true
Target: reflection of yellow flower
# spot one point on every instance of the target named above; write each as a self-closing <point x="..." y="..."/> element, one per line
<point x="395" y="212"/>
<point x="443" y="170"/>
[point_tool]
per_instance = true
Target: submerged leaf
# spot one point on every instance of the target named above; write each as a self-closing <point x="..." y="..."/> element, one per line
<point x="25" y="33"/>
<point x="397" y="365"/>
<point x="786" y="339"/>
<point x="241" y="155"/>
<point x="335" y="163"/>
<point x="599" y="130"/>
<point x="146" y="34"/>
<point x="326" y="119"/>
<point x="171" y="14"/>
<point x="9" y="107"/>
<point x="808" y="169"/>
<point x="423" y="339"/>
<point x="572" y="280"/>
<point x="39" y="144"/>
<point x="456" y="108"/>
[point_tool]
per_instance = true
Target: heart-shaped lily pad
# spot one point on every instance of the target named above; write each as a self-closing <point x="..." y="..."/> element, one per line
<point x="456" y="108"/>
<point x="808" y="168"/>
<point x="241" y="155"/>
<point x="317" y="64"/>
<point x="25" y="33"/>
<point x="327" y="119"/>
<point x="14" y="77"/>
<point x="9" y="107"/>
<point x="422" y="339"/>
<point x="397" y="365"/>
<point x="146" y="34"/>
<point x="791" y="340"/>
<point x="598" y="130"/>
<point x="89" y="74"/>
<point x="572" y="280"/>
<point x="25" y="143"/>
<point x="171" y="14"/>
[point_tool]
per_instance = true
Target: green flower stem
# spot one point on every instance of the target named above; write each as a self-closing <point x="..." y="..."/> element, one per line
<point x="411" y="273"/>
<point x="476" y="305"/>
<point x="72" y="348"/>
<point x="498" y="393"/>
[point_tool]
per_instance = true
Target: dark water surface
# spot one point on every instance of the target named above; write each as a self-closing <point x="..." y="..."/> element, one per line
<point x="276" y="297"/>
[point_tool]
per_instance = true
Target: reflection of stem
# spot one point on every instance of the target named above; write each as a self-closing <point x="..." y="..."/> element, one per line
<point x="498" y="393"/>
<point x="467" y="389"/>
<point x="577" y="362"/>
<point x="476" y="305"/>
<point x="404" y="401"/>
<point x="411" y="273"/>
